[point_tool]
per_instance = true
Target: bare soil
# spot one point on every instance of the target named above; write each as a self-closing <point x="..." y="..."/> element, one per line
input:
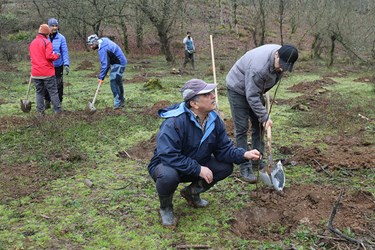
<point x="269" y="216"/>
<point x="272" y="216"/>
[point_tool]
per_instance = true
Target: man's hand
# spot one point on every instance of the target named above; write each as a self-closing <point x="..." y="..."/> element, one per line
<point x="206" y="174"/>
<point x="267" y="124"/>
<point x="66" y="68"/>
<point x="253" y="155"/>
<point x="100" y="81"/>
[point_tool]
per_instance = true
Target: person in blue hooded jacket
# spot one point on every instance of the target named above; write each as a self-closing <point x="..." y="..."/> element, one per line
<point x="111" y="58"/>
<point x="59" y="46"/>
<point x="192" y="146"/>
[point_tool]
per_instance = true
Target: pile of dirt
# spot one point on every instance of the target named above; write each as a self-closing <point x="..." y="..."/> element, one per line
<point x="143" y="151"/>
<point x="85" y="65"/>
<point x="343" y="152"/>
<point x="137" y="79"/>
<point x="153" y="111"/>
<point x="272" y="216"/>
<point x="311" y="86"/>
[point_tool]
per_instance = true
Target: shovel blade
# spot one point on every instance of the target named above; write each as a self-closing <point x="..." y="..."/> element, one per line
<point x="25" y="106"/>
<point x="91" y="108"/>
<point x="278" y="177"/>
<point x="266" y="179"/>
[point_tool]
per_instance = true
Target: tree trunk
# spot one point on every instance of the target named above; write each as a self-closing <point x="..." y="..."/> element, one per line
<point x="165" y="46"/>
<point x="124" y="29"/>
<point x="262" y="22"/>
<point x="316" y="46"/>
<point x="332" y="50"/>
<point x="281" y="20"/>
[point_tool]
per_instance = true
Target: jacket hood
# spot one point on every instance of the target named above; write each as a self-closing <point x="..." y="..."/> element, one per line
<point x="173" y="110"/>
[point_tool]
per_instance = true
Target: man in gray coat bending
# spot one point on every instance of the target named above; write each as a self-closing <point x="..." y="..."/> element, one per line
<point x="251" y="76"/>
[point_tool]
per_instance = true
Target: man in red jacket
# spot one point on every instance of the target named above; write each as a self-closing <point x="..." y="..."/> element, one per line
<point x="42" y="69"/>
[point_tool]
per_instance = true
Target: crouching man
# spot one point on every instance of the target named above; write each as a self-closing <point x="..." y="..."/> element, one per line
<point x="192" y="146"/>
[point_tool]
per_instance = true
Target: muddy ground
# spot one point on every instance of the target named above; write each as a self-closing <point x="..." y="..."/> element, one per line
<point x="270" y="215"/>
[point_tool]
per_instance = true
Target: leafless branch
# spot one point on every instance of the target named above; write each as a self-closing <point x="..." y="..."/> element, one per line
<point x="335" y="230"/>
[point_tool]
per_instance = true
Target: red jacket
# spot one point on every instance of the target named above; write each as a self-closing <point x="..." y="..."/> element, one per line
<point x="42" y="57"/>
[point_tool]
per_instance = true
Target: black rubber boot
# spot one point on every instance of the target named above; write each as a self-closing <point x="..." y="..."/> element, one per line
<point x="247" y="174"/>
<point x="192" y="193"/>
<point x="166" y="211"/>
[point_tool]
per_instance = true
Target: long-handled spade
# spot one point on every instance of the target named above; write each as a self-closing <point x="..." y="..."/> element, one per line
<point x="272" y="175"/>
<point x="26" y="104"/>
<point x="90" y="107"/>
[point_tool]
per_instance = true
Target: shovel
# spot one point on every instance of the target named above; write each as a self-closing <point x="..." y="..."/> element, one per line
<point x="272" y="175"/>
<point x="90" y="107"/>
<point x="26" y="104"/>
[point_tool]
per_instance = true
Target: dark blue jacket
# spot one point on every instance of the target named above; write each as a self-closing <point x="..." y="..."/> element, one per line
<point x="181" y="143"/>
<point x="109" y="54"/>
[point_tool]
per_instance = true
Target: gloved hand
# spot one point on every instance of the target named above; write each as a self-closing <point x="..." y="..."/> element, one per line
<point x="66" y="68"/>
<point x="100" y="81"/>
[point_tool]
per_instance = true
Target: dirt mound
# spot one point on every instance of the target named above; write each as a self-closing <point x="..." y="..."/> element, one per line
<point x="85" y="65"/>
<point x="311" y="86"/>
<point x="143" y="151"/>
<point x="153" y="111"/>
<point x="273" y="217"/>
<point x="342" y="152"/>
<point x="137" y="79"/>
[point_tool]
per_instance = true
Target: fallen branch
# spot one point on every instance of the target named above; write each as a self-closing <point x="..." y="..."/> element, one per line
<point x="323" y="168"/>
<point x="335" y="230"/>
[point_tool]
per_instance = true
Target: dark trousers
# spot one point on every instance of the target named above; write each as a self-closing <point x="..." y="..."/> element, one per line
<point x="241" y="114"/>
<point x="59" y="82"/>
<point x="189" y="57"/>
<point x="46" y="85"/>
<point x="167" y="178"/>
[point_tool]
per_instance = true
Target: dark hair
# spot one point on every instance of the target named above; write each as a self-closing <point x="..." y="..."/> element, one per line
<point x="187" y="102"/>
<point x="188" y="33"/>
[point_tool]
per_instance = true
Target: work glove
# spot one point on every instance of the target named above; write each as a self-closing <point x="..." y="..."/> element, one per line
<point x="66" y="68"/>
<point x="100" y="81"/>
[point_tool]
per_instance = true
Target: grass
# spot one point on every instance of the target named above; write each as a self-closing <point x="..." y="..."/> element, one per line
<point x="120" y="210"/>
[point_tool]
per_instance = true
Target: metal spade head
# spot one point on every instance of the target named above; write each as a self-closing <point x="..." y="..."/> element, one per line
<point x="264" y="176"/>
<point x="278" y="177"/>
<point x="25" y="106"/>
<point x="91" y="108"/>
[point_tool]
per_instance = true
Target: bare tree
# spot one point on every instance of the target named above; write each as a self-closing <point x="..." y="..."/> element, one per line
<point x="163" y="15"/>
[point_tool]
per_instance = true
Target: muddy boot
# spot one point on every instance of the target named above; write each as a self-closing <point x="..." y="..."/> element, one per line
<point x="247" y="174"/>
<point x="192" y="193"/>
<point x="166" y="211"/>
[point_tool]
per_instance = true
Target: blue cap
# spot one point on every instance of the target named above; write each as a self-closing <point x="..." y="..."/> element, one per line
<point x="52" y="21"/>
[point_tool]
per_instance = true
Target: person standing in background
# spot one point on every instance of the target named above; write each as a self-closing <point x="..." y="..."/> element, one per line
<point x="111" y="58"/>
<point x="59" y="46"/>
<point x="42" y="70"/>
<point x="189" y="49"/>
